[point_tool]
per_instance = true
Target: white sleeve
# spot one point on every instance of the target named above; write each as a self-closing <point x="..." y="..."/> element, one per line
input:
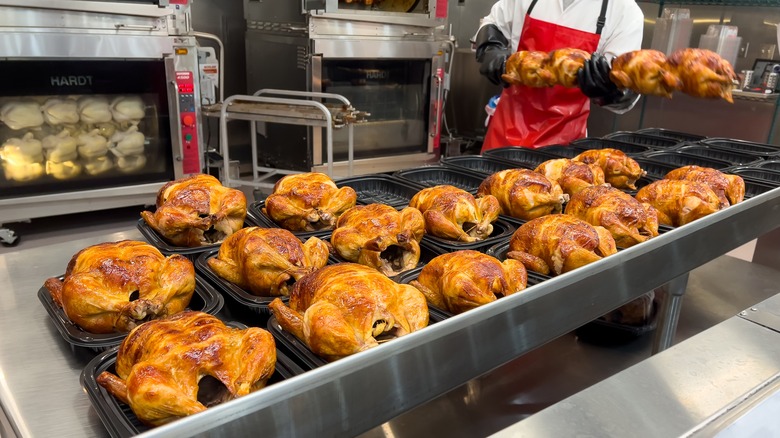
<point x="626" y="34"/>
<point x="501" y="15"/>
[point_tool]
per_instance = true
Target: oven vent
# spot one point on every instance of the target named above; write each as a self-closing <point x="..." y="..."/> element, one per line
<point x="303" y="57"/>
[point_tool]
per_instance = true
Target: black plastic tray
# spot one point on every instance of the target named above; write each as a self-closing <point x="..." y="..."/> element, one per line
<point x="118" y="418"/>
<point x="602" y="332"/>
<point x="559" y="151"/>
<point x="769" y="164"/>
<point x="204" y="299"/>
<point x="192" y="254"/>
<point x="674" y="135"/>
<point x="485" y="165"/>
<point x="757" y="149"/>
<point x="643" y="139"/>
<point x="754" y="187"/>
<point x="704" y="150"/>
<point x="382" y="189"/>
<point x="766" y="175"/>
<point x="255" y="211"/>
<point x="630" y="149"/>
<point x="427" y="253"/>
<point x="680" y="159"/>
<point x="431" y="176"/>
<point x="502" y="231"/>
<point x="530" y="158"/>
<point x="655" y="169"/>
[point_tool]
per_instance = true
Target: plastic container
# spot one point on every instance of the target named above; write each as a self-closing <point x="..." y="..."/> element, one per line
<point x="679" y="159"/>
<point x="630" y="149"/>
<point x="530" y="158"/>
<point x="427" y="253"/>
<point x="769" y="164"/>
<point x="502" y="230"/>
<point x="757" y="187"/>
<point x="747" y="147"/>
<point x="655" y="169"/>
<point x="764" y="175"/>
<point x="559" y="151"/>
<point x="643" y="139"/>
<point x="118" y="418"/>
<point x="255" y="211"/>
<point x="602" y="332"/>
<point x="381" y="189"/>
<point x="734" y="157"/>
<point x="204" y="299"/>
<point x="432" y="176"/>
<point x="485" y="165"/>
<point x="666" y="133"/>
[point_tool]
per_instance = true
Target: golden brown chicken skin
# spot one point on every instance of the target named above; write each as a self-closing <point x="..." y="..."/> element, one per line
<point x="559" y="243"/>
<point x="380" y="236"/>
<point x="678" y="201"/>
<point x="197" y="211"/>
<point x="308" y="202"/>
<point x="115" y="286"/>
<point x="267" y="261"/>
<point x="462" y="280"/>
<point x="645" y="72"/>
<point x="347" y="308"/>
<point x="571" y="175"/>
<point x="454" y="214"/>
<point x="161" y="363"/>
<point x="620" y="170"/>
<point x="529" y="68"/>
<point x="565" y="63"/>
<point x="628" y="220"/>
<point x="523" y="193"/>
<point x="703" y="73"/>
<point x="729" y="188"/>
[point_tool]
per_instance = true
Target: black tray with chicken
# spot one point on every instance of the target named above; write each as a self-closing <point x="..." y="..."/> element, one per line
<point x="758" y="149"/>
<point x="667" y="133"/>
<point x="381" y="189"/>
<point x="120" y="421"/>
<point x="502" y="231"/>
<point x="630" y="149"/>
<point x="680" y="159"/>
<point x="431" y="176"/>
<point x="255" y="211"/>
<point x="734" y="157"/>
<point x="768" y="164"/>
<point x="643" y="139"/>
<point x="526" y="157"/>
<point x="205" y="299"/>
<point x="427" y="253"/>
<point x="192" y="253"/>
<point x="485" y="165"/>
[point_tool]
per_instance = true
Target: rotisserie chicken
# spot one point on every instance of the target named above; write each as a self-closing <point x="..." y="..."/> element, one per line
<point x="347" y="308"/>
<point x="620" y="170"/>
<point x="196" y="211"/>
<point x="678" y="201"/>
<point x="452" y="213"/>
<point x="572" y="176"/>
<point x="380" y="236"/>
<point x="128" y="109"/>
<point x="267" y="261"/>
<point x="559" y="243"/>
<point x="116" y="286"/>
<point x="462" y="280"/>
<point x="529" y="68"/>
<point x="94" y="109"/>
<point x="729" y="188"/>
<point x="21" y="114"/>
<point x="703" y="73"/>
<point x="645" y="72"/>
<point x="179" y="366"/>
<point x="565" y="63"/>
<point x="308" y="202"/>
<point x="60" y="111"/>
<point x="523" y="193"/>
<point x="628" y="220"/>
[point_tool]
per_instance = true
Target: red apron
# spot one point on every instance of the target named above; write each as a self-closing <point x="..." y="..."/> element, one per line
<point x="535" y="117"/>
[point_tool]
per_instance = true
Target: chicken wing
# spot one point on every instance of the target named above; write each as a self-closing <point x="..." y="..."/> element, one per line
<point x="529" y="68"/>
<point x="620" y="170"/>
<point x="679" y="201"/>
<point x="452" y="213"/>
<point x="703" y="73"/>
<point x="572" y="176"/>
<point x="523" y="193"/>
<point x="729" y="188"/>
<point x="308" y="202"/>
<point x="645" y="72"/>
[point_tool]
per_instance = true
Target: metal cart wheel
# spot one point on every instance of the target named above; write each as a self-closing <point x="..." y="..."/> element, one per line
<point x="8" y="237"/>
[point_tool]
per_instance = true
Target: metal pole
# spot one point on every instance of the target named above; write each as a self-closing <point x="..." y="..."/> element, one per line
<point x="351" y="151"/>
<point x="669" y="315"/>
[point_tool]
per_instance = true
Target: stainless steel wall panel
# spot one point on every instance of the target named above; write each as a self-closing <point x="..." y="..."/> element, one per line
<point x="375" y="48"/>
<point x="84" y="46"/>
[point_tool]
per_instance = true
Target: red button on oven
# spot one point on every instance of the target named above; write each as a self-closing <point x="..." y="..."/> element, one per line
<point x="188" y="120"/>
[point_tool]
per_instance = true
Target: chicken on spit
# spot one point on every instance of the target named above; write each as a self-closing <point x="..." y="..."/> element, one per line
<point x="679" y="201"/>
<point x="161" y="364"/>
<point x="462" y="280"/>
<point x="267" y="261"/>
<point x="347" y="308"/>
<point x="453" y="213"/>
<point x="380" y="236"/>
<point x="529" y="68"/>
<point x="559" y="243"/>
<point x="645" y="72"/>
<point x="572" y="176"/>
<point x="523" y="193"/>
<point x="703" y="73"/>
<point x="116" y="286"/>
<point x="565" y="63"/>
<point x="308" y="202"/>
<point x="620" y="170"/>
<point x="197" y="210"/>
<point x="628" y="220"/>
<point x="729" y="188"/>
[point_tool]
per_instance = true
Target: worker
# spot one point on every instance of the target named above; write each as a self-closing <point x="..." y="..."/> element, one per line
<point x="535" y="117"/>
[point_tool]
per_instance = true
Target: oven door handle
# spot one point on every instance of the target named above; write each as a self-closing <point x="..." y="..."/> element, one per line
<point x="439" y="82"/>
<point x="122" y="26"/>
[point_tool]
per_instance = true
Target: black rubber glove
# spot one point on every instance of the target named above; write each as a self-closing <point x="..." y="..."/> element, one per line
<point x="593" y="79"/>
<point x="492" y="52"/>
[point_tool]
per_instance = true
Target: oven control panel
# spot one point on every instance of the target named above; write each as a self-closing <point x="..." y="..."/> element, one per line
<point x="185" y="87"/>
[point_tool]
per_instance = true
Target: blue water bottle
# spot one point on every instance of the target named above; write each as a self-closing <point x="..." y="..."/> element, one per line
<point x="490" y="108"/>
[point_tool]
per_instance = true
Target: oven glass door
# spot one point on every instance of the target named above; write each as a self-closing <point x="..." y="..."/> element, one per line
<point x="78" y="125"/>
<point x="395" y="92"/>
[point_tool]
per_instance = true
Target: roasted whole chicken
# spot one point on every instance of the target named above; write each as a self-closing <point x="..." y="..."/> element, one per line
<point x="196" y="211"/>
<point x="380" y="236"/>
<point x="462" y="280"/>
<point x="729" y="188"/>
<point x="559" y="243"/>
<point x="628" y="220"/>
<point x="308" y="202"/>
<point x="678" y="201"/>
<point x="113" y="287"/>
<point x="645" y="72"/>
<point x="267" y="261"/>
<point x="565" y="63"/>
<point x="529" y="68"/>
<point x="161" y="366"/>
<point x="523" y="193"/>
<point x="347" y="308"/>
<point x="452" y="213"/>
<point x="572" y="176"/>
<point x="620" y="170"/>
<point x="703" y="73"/>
